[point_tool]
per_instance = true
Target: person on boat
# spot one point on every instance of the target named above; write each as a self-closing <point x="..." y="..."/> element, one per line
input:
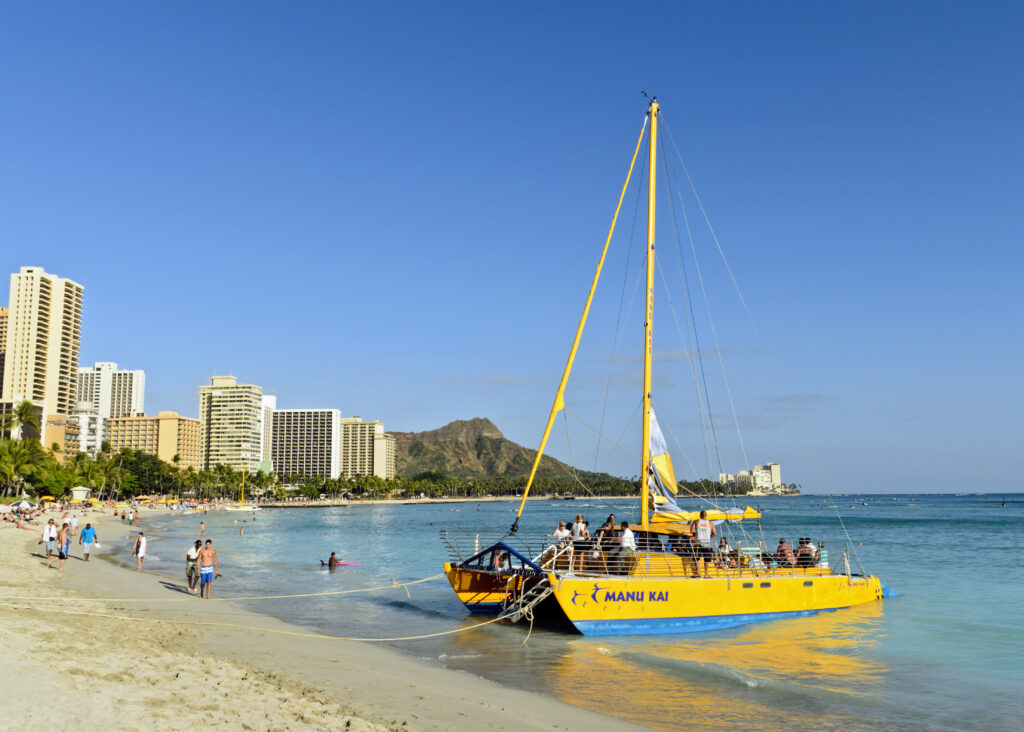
<point x="813" y="547"/>
<point x="626" y="548"/>
<point x="607" y="530"/>
<point x="805" y="554"/>
<point x="704" y="531"/>
<point x="784" y="554"/>
<point x="499" y="560"/>
<point x="561" y="533"/>
<point x="580" y="541"/>
<point x="725" y="554"/>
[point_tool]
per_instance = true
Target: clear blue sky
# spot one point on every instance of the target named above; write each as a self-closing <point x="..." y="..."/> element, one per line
<point x="395" y="208"/>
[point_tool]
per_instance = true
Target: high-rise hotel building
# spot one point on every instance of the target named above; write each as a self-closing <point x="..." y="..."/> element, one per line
<point x="44" y="329"/>
<point x="165" y="435"/>
<point x="231" y="422"/>
<point x="307" y="442"/>
<point x="3" y="344"/>
<point x="366" y="449"/>
<point x="111" y="391"/>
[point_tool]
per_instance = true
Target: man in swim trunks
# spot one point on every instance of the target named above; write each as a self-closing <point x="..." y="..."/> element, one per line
<point x="192" y="566"/>
<point x="208" y="568"/>
<point x="63" y="546"/>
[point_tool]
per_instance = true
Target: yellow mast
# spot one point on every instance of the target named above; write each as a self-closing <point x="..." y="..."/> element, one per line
<point x="559" y="403"/>
<point x="645" y="449"/>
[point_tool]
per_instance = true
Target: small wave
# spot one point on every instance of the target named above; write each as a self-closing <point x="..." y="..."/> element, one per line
<point x="458" y="656"/>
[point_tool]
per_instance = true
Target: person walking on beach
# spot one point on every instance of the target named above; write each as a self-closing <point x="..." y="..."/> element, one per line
<point x="50" y="538"/>
<point x="63" y="547"/>
<point x="86" y="539"/>
<point x="139" y="550"/>
<point x="208" y="568"/>
<point x="191" y="565"/>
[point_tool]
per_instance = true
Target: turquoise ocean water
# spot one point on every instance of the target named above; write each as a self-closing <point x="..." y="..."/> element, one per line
<point x="946" y="654"/>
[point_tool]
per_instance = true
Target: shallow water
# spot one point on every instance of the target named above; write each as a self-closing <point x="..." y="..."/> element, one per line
<point x="944" y="655"/>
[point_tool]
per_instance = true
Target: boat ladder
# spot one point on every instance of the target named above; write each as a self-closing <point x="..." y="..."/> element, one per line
<point x="522" y="606"/>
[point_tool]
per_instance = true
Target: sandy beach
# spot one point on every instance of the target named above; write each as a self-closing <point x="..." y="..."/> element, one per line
<point x="147" y="653"/>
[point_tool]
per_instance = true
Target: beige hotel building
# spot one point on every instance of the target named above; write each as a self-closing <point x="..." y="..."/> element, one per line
<point x="165" y="435"/>
<point x="232" y="424"/>
<point x="366" y="449"/>
<point x="44" y="329"/>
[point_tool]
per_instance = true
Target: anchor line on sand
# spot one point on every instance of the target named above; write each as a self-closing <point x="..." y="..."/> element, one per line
<point x="528" y="609"/>
<point x="393" y="586"/>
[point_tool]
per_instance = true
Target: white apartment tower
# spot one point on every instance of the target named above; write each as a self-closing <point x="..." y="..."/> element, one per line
<point x="112" y="392"/>
<point x="366" y="449"/>
<point x="3" y="344"/>
<point x="44" y="330"/>
<point x="231" y="421"/>
<point x="268" y="405"/>
<point x="307" y="442"/>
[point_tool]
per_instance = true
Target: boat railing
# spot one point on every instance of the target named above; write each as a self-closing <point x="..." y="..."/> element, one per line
<point x="464" y="545"/>
<point x="607" y="558"/>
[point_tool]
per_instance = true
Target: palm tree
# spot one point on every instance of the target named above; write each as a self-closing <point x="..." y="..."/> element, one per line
<point x="18" y="460"/>
<point x="23" y="414"/>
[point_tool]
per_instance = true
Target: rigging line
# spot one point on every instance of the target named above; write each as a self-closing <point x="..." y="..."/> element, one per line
<point x="601" y="499"/>
<point x="764" y="349"/>
<point x="572" y="460"/>
<point x="692" y="313"/>
<point x="711" y="323"/>
<point x="695" y="346"/>
<point x="604" y="436"/>
<point x="707" y="307"/>
<point x="622" y="296"/>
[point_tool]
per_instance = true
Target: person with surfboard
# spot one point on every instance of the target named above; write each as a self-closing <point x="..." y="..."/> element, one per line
<point x="335" y="561"/>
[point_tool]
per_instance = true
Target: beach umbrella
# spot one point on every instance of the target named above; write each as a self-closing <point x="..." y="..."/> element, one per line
<point x="46" y="498"/>
<point x="23" y="504"/>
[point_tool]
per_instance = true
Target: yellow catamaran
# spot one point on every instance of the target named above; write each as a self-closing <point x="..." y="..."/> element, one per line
<point x="663" y="584"/>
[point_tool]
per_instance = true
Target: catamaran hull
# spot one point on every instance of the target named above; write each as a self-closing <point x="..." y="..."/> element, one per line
<point x="652" y="606"/>
<point x="482" y="591"/>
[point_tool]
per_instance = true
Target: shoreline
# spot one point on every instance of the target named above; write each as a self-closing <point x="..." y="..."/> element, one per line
<point x="277" y="675"/>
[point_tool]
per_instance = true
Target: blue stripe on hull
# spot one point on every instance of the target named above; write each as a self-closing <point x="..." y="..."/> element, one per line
<point x="484" y="608"/>
<point x="659" y="626"/>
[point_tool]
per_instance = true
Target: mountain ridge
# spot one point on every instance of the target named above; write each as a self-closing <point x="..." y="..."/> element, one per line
<point x="475" y="449"/>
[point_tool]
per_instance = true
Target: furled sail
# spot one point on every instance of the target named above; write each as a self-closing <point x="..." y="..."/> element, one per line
<point x="661" y="479"/>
